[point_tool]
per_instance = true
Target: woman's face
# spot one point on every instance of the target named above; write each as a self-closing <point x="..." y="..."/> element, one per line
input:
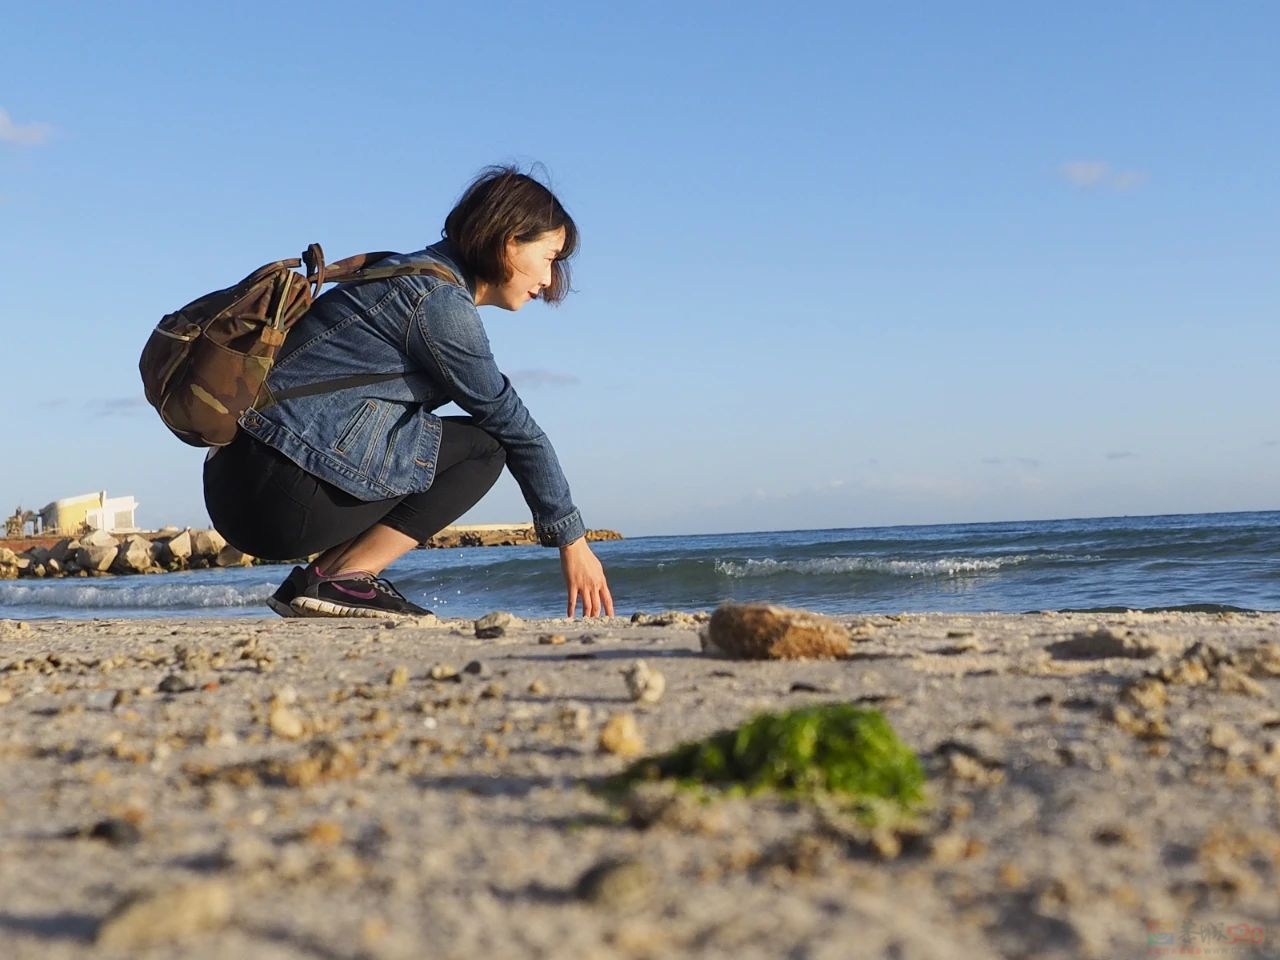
<point x="530" y="269"/>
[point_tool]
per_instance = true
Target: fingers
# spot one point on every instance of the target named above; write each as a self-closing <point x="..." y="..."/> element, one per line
<point x="596" y="600"/>
<point x="589" y="602"/>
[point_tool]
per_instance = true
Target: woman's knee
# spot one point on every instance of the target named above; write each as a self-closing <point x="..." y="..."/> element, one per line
<point x="496" y="452"/>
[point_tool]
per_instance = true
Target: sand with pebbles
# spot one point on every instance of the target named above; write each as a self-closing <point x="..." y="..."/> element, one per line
<point x="330" y="789"/>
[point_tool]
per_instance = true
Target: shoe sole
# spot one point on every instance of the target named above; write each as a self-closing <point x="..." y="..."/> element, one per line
<point x="323" y="608"/>
<point x="282" y="608"/>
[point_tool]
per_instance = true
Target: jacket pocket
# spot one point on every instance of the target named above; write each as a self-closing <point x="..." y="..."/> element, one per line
<point x="355" y="427"/>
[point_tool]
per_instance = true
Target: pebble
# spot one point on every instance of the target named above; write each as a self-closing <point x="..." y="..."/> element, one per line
<point x="1011" y="876"/>
<point x="616" y="884"/>
<point x="1149" y="693"/>
<point x="668" y="619"/>
<point x="285" y="723"/>
<point x="949" y="847"/>
<point x="398" y="677"/>
<point x="176" y="683"/>
<point x="116" y="831"/>
<point x="100" y="700"/>
<point x="803" y="686"/>
<point x="1186" y="672"/>
<point x="286" y="696"/>
<point x="495" y="624"/>
<point x="1223" y="736"/>
<point x="1113" y="835"/>
<point x="966" y="643"/>
<point x="166" y="915"/>
<point x="443" y="671"/>
<point x="574" y="717"/>
<point x="552" y="639"/>
<point x="621" y="736"/>
<point x="1148" y="727"/>
<point x="324" y="833"/>
<point x="965" y="767"/>
<point x="6" y="696"/>
<point x="644" y="685"/>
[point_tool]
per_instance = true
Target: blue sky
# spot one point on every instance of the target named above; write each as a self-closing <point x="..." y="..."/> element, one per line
<point x="842" y="265"/>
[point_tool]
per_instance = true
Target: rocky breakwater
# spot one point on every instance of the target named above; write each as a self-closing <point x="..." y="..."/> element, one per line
<point x="99" y="554"/>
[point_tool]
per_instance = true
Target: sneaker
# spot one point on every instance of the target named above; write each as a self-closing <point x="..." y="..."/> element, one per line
<point x="356" y="594"/>
<point x="292" y="586"/>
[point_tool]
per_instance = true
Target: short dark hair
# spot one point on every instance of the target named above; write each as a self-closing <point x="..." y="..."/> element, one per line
<point x="503" y="204"/>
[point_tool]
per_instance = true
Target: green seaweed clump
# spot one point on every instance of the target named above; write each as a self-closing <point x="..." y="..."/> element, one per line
<point x="835" y="751"/>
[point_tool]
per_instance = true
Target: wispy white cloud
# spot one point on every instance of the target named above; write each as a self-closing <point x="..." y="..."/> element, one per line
<point x="22" y="134"/>
<point x="1020" y="461"/>
<point x="1097" y="174"/>
<point x="543" y="378"/>
<point x="117" y="406"/>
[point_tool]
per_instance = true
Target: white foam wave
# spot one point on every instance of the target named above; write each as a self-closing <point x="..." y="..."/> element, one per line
<point x="828" y="566"/>
<point x="157" y="597"/>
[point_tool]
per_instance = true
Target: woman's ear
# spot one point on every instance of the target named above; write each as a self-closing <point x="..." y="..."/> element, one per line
<point x="508" y="257"/>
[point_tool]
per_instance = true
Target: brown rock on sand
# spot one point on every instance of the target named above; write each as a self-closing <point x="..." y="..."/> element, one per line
<point x="762" y="631"/>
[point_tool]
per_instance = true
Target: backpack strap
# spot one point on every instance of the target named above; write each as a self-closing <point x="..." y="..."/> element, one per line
<point x="361" y="266"/>
<point x="328" y="386"/>
<point x="313" y="258"/>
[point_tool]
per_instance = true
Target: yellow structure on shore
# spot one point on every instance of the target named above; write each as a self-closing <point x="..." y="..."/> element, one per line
<point x="96" y="511"/>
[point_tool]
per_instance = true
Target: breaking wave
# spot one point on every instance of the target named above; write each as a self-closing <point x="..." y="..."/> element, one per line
<point x="828" y="566"/>
<point x="121" y="595"/>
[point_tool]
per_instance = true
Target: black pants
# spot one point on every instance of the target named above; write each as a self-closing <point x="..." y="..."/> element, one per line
<point x="269" y="507"/>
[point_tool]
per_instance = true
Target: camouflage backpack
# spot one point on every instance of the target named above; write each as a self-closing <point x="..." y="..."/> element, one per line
<point x="206" y="364"/>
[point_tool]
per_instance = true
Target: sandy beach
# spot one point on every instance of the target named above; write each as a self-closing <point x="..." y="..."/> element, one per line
<point x="275" y="788"/>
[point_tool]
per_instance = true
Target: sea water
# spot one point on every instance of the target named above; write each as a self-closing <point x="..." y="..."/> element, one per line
<point x="1223" y="561"/>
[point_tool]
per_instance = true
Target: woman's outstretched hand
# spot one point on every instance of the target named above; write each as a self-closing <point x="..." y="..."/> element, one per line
<point x="585" y="580"/>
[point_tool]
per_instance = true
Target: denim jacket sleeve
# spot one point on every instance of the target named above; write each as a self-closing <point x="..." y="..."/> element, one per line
<point x="448" y="338"/>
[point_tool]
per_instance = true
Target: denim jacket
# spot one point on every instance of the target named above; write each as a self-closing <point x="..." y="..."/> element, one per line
<point x="381" y="440"/>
